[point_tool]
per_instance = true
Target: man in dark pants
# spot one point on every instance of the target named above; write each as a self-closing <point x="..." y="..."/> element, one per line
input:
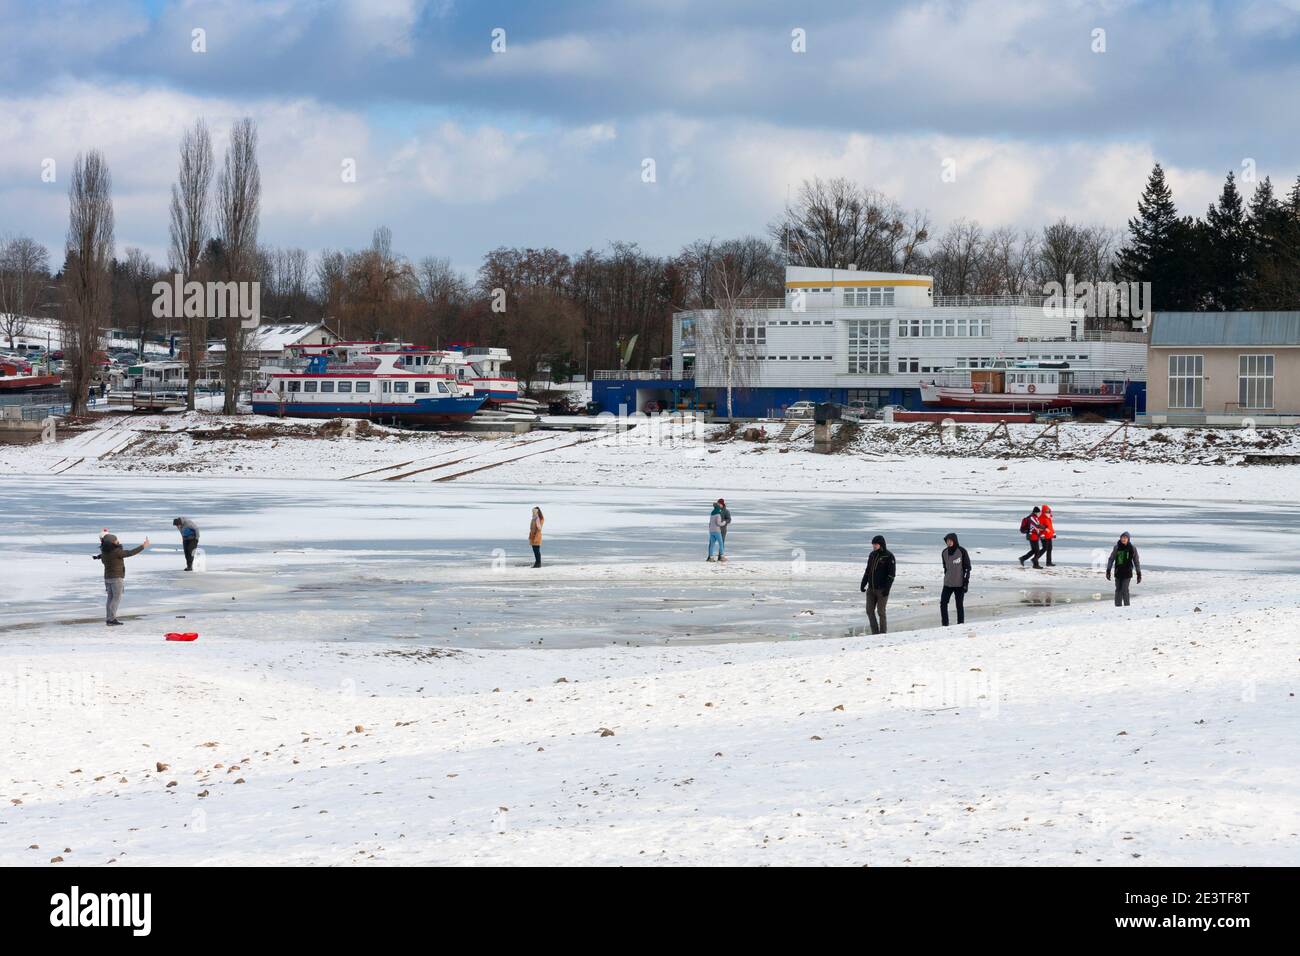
<point x="876" y="582"/>
<point x="1032" y="528"/>
<point x="1124" y="560"/>
<point x="189" y="539"/>
<point x="956" y="577"/>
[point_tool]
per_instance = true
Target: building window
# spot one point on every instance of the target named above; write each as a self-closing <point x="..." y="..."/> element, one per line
<point x="1186" y="381"/>
<point x="1255" y="381"/>
<point x="869" y="346"/>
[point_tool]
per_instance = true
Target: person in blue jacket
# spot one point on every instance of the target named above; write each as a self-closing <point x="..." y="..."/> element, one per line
<point x="189" y="539"/>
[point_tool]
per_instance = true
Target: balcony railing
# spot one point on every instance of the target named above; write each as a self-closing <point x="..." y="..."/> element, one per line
<point x="636" y="375"/>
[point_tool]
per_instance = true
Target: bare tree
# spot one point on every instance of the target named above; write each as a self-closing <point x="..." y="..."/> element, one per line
<point x="837" y="223"/>
<point x="140" y="273"/>
<point x="191" y="225"/>
<point x="239" y="198"/>
<point x="726" y="334"/>
<point x="24" y="274"/>
<point x="87" y="287"/>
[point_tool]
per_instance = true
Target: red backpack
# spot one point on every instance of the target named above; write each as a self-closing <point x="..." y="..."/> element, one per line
<point x="1025" y="523"/>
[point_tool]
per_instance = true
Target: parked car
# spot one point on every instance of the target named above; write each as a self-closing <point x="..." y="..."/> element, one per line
<point x="891" y="409"/>
<point x="801" y="410"/>
<point x="859" y="411"/>
<point x="592" y="408"/>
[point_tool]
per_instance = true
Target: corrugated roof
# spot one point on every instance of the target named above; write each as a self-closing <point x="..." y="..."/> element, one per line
<point x="1225" y="328"/>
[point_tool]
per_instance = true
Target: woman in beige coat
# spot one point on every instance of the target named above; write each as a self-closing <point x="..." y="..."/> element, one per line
<point x="535" y="536"/>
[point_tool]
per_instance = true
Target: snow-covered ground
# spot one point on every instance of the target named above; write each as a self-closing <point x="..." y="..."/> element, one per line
<point x="381" y="678"/>
<point x="1166" y="463"/>
<point x="1160" y="735"/>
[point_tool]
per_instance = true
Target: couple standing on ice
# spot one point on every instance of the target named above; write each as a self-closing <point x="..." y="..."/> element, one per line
<point x="878" y="579"/>
<point x="718" y="521"/>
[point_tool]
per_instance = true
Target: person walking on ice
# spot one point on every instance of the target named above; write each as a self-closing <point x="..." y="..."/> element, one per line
<point x="1124" y="561"/>
<point x="1031" y="528"/>
<point x="535" y="535"/>
<point x="956" y="578"/>
<point x="716" y="540"/>
<point x="189" y="539"/>
<point x="1047" y="532"/>
<point x="114" y="557"/>
<point x="877" y="579"/>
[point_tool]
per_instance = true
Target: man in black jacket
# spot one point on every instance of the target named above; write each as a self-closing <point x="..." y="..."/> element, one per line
<point x="877" y="579"/>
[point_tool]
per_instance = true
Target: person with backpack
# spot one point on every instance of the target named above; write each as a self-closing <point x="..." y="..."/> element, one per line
<point x="1031" y="529"/>
<point x="189" y="539"/>
<point x="956" y="577"/>
<point x="1047" y="534"/>
<point x="114" y="557"/>
<point x="1124" y="560"/>
<point x="877" y="579"/>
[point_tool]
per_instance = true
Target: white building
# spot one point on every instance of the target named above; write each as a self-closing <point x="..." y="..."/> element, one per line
<point x="841" y="334"/>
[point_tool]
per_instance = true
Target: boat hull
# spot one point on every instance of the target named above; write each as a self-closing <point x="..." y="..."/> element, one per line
<point x="27" y="383"/>
<point x="424" y="412"/>
<point x="967" y="398"/>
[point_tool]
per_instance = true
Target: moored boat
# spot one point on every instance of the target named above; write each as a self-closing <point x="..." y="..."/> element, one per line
<point x="372" y="385"/>
<point x="1031" y="385"/>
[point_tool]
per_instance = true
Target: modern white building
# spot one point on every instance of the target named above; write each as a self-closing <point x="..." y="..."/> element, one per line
<point x="841" y="334"/>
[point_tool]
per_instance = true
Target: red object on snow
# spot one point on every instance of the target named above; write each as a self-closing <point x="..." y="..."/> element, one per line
<point x="186" y="636"/>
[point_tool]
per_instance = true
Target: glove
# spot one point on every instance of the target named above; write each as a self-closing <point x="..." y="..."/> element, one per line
<point x="863" y="589"/>
<point x="965" y="588"/>
<point x="1107" y="575"/>
<point x="1139" y="577"/>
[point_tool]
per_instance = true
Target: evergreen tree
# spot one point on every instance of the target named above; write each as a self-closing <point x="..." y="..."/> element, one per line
<point x="1228" y="249"/>
<point x="1162" y="248"/>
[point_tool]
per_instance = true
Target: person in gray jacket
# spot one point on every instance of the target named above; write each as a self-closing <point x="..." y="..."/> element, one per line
<point x="1124" y="561"/>
<point x="189" y="539"/>
<point x="956" y="577"/>
<point x="716" y="540"/>
<point x="114" y="557"/>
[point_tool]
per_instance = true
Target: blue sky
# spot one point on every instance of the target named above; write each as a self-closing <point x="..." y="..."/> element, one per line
<point x="459" y="149"/>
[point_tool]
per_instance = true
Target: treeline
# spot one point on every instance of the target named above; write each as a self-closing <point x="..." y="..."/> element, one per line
<point x="604" y="308"/>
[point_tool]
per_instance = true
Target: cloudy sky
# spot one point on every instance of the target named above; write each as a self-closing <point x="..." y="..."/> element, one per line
<point x="459" y="149"/>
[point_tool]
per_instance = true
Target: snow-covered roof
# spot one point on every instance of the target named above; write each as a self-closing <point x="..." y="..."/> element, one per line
<point x="276" y="338"/>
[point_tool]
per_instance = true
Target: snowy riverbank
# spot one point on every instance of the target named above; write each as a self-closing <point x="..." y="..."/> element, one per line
<point x="1168" y="463"/>
<point x="1159" y="735"/>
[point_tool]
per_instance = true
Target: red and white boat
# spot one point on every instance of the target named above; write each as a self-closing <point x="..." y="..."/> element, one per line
<point x="1027" y="385"/>
<point x="19" y="377"/>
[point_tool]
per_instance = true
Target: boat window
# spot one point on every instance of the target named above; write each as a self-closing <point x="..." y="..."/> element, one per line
<point x="363" y="386"/>
<point x="345" y="386"/>
<point x="442" y="387"/>
<point x="294" y="386"/>
<point x="421" y="386"/>
<point x="309" y="386"/>
<point x="327" y="386"/>
<point x="387" y="387"/>
<point x="401" y="386"/>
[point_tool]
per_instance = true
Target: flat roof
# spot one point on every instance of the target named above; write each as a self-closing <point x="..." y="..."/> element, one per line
<point x="1246" y="329"/>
